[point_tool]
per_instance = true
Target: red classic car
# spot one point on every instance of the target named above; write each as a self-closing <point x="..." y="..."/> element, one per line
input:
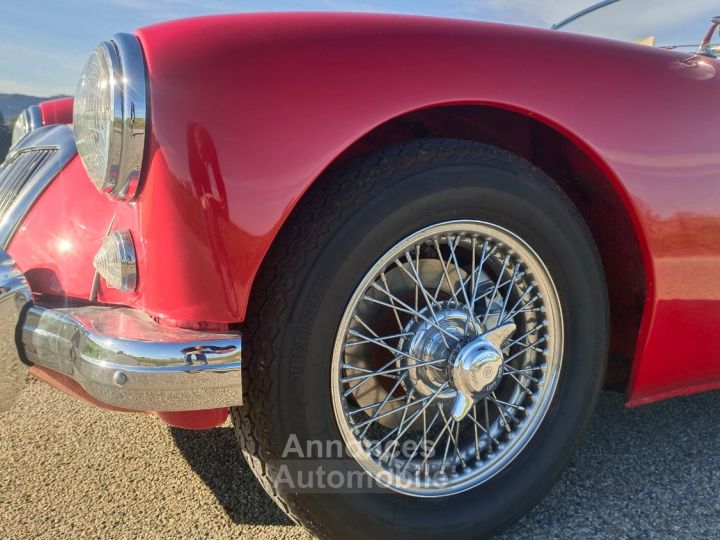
<point x="399" y="251"/>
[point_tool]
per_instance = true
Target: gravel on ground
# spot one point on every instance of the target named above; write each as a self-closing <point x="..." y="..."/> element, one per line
<point x="69" y="470"/>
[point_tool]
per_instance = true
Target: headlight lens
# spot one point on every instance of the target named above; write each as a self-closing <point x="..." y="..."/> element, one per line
<point x="29" y="119"/>
<point x="93" y="115"/>
<point x="109" y="116"/>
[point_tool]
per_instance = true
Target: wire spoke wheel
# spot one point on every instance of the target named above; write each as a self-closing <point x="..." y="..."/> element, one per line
<point x="447" y="358"/>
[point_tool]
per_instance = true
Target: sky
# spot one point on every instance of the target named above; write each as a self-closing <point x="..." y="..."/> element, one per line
<point x="44" y="43"/>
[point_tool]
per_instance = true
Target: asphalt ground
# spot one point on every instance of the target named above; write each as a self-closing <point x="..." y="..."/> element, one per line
<point x="69" y="470"/>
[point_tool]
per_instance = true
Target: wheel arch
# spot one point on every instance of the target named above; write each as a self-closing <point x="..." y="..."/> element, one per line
<point x="579" y="171"/>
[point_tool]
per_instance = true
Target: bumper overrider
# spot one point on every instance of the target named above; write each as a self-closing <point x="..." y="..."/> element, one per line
<point x="119" y="355"/>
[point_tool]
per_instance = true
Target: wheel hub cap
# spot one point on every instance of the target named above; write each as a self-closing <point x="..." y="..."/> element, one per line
<point x="476" y="369"/>
<point x="430" y="341"/>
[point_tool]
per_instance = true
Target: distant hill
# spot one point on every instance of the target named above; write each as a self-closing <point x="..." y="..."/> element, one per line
<point x="12" y="104"/>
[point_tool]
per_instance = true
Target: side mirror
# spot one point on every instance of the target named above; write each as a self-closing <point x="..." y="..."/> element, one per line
<point x="705" y="48"/>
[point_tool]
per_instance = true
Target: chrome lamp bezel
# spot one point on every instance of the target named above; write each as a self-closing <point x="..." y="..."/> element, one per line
<point x="120" y="243"/>
<point x="128" y="117"/>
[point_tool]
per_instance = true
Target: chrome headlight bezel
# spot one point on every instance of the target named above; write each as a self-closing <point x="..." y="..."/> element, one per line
<point x="27" y="120"/>
<point x="125" y="123"/>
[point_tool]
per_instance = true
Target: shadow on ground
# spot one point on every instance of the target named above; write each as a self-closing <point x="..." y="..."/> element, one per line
<point x="215" y="457"/>
<point x="649" y="472"/>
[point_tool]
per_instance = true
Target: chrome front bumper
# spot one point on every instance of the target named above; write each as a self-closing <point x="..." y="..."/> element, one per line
<point x="119" y="355"/>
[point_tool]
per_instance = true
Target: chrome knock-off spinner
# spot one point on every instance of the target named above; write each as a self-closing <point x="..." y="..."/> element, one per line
<point x="429" y="343"/>
<point x="476" y="369"/>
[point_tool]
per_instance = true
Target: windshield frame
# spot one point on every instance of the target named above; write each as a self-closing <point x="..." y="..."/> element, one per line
<point x="582" y="13"/>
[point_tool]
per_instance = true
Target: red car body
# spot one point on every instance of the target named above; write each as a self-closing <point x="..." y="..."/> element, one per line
<point x="56" y="111"/>
<point x="248" y="111"/>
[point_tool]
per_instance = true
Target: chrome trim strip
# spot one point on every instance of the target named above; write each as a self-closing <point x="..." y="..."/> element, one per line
<point x="124" y="358"/>
<point x="59" y="137"/>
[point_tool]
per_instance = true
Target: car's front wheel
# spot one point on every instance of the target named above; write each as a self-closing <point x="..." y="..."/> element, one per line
<point x="425" y="345"/>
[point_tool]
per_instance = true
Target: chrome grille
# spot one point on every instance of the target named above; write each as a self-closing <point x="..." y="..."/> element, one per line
<point x="31" y="166"/>
<point x="17" y="170"/>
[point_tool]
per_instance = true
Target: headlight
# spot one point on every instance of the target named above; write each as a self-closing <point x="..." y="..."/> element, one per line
<point x="110" y="116"/>
<point x="29" y="119"/>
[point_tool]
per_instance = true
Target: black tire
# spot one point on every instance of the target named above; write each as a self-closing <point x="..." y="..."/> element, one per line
<point x="344" y="224"/>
